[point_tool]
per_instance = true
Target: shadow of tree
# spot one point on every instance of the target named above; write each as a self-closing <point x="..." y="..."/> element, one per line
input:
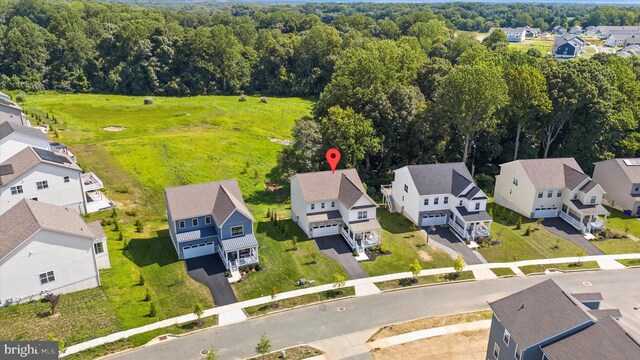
<point x="270" y="230"/>
<point x="278" y="196"/>
<point x="154" y="250"/>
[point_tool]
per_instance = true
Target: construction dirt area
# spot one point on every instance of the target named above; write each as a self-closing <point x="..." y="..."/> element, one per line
<point x="470" y="345"/>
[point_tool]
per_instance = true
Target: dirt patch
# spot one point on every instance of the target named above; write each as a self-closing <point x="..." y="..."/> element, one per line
<point x="468" y="345"/>
<point x="633" y="237"/>
<point x="114" y="128"/>
<point x="281" y="141"/>
<point x="424" y="256"/>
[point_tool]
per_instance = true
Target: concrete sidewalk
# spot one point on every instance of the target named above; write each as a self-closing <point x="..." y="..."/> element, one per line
<point x="363" y="287"/>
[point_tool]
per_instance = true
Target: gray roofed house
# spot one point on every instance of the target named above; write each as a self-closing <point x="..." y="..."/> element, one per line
<point x="553" y="172"/>
<point x="12" y="112"/>
<point x="329" y="203"/>
<point x="440" y="194"/>
<point x="7" y="128"/>
<point x="631" y="50"/>
<point x="620" y="178"/>
<point x="15" y="138"/>
<point x="212" y="218"/>
<point x="28" y="158"/>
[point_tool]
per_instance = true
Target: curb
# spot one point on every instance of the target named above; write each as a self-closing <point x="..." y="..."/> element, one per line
<point x="300" y="306"/>
<point x="562" y="271"/>
<point x="427" y="285"/>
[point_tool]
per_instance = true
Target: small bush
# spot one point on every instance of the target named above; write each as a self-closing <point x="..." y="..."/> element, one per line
<point x="131" y="212"/>
<point x="139" y="226"/>
<point x="528" y="231"/>
<point x="121" y="236"/>
<point x="384" y="248"/>
<point x="242" y="98"/>
<point x="141" y="280"/>
<point x="21" y="97"/>
<point x="114" y="213"/>
<point x="116" y="227"/>
<point x="152" y="310"/>
<point x="147" y="295"/>
<point x="148" y="101"/>
<point x="264" y="100"/>
<point x="519" y="223"/>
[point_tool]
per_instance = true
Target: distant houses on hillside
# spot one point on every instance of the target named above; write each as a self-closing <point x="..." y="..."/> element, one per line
<point x="567" y="46"/>
<point x="518" y="34"/>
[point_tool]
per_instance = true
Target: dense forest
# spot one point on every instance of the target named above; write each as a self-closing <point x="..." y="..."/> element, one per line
<point x="395" y="83"/>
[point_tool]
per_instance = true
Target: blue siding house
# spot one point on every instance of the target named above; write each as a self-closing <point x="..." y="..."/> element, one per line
<point x="211" y="218"/>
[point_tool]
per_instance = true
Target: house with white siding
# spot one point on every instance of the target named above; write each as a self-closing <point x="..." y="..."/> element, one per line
<point x="325" y="203"/>
<point x="12" y="112"/>
<point x="620" y="178"/>
<point x="440" y="194"/>
<point x="41" y="175"/>
<point x="15" y="138"/>
<point x="547" y="188"/>
<point x="513" y="34"/>
<point x="47" y="249"/>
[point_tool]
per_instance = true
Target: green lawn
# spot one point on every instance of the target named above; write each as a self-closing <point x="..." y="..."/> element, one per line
<point x="540" y="244"/>
<point x="543" y="45"/>
<point x="423" y="280"/>
<point x="503" y="272"/>
<point x="630" y="262"/>
<point x="529" y="269"/>
<point x="278" y="305"/>
<point x="406" y="244"/>
<point x="620" y="223"/>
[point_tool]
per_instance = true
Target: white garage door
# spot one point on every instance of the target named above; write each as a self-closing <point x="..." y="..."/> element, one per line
<point x="198" y="250"/>
<point x="429" y="220"/>
<point x="325" y="230"/>
<point x="545" y="213"/>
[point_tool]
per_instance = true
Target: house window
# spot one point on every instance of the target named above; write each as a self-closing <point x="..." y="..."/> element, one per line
<point x="207" y="220"/>
<point x="549" y="193"/>
<point x="636" y="189"/>
<point x="515" y="181"/>
<point x="34" y="198"/>
<point x="333" y="204"/>
<point x="496" y="351"/>
<point x="506" y="337"/>
<point x="15" y="190"/>
<point x="593" y="199"/>
<point x="181" y="224"/>
<point x="194" y="222"/>
<point x="44" y="184"/>
<point x="322" y="206"/>
<point x="426" y="201"/>
<point x="518" y="354"/>
<point x="435" y="201"/>
<point x="47" y="277"/>
<point x="313" y="206"/>
<point x="66" y="179"/>
<point x="98" y="247"/>
<point x="406" y="188"/>
<point x="237" y="230"/>
<point x="539" y="194"/>
<point x="575" y="196"/>
<point x="460" y="203"/>
<point x="362" y="214"/>
<point x="477" y="206"/>
<point x="446" y="200"/>
<point x="559" y="194"/>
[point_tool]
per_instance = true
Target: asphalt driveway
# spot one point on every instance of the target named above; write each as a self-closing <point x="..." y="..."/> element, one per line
<point x="559" y="227"/>
<point x="209" y="271"/>
<point x="336" y="247"/>
<point x="445" y="237"/>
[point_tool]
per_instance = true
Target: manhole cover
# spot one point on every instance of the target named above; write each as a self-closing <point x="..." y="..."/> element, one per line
<point x="586" y="283"/>
<point x="341" y="308"/>
<point x="204" y="351"/>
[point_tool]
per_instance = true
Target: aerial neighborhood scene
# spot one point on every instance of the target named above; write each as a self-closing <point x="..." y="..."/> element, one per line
<point x="319" y="180"/>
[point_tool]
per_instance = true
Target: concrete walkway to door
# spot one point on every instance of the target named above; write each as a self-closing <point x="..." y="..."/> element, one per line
<point x="336" y="247"/>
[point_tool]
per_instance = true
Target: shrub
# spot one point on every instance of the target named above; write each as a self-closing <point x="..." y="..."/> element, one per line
<point x="139" y="226"/>
<point x="294" y="242"/>
<point x="152" y="310"/>
<point x="242" y="98"/>
<point x="116" y="227"/>
<point x="264" y="100"/>
<point x="458" y="265"/>
<point x="415" y="268"/>
<point x="528" y="231"/>
<point x="114" y="213"/>
<point x="147" y="295"/>
<point x="197" y="310"/>
<point x="141" y="280"/>
<point x="120" y="236"/>
<point x="384" y="248"/>
<point x="54" y="300"/>
<point x="21" y="97"/>
<point x="519" y="223"/>
<point x="131" y="212"/>
<point x="148" y="101"/>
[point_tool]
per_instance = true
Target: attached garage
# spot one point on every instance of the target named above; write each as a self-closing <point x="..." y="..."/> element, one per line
<point x="325" y="230"/>
<point x="195" y="250"/>
<point x="433" y="219"/>
<point x="545" y="213"/>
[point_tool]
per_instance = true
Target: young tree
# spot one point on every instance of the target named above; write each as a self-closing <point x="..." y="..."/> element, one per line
<point x="264" y="346"/>
<point x="339" y="280"/>
<point x="152" y="309"/>
<point x="294" y="242"/>
<point x="458" y="264"/>
<point x="519" y="223"/>
<point x="147" y="295"/>
<point x="54" y="300"/>
<point x="139" y="226"/>
<point x="141" y="280"/>
<point x="415" y="268"/>
<point x="197" y="310"/>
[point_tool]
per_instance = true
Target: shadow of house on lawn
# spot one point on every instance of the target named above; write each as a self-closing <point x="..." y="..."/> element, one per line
<point x="155" y="250"/>
<point x="270" y="230"/>
<point x="394" y="223"/>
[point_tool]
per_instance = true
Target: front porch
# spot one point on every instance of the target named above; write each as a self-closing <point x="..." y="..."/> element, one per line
<point x="584" y="218"/>
<point x="470" y="225"/>
<point x="361" y="235"/>
<point x="239" y="251"/>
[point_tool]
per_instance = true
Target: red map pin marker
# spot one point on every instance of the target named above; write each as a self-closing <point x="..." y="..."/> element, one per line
<point x="333" y="157"/>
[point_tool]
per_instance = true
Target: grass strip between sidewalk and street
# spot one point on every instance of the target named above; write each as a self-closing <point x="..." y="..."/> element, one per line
<point x="629" y="262"/>
<point x="294" y="353"/>
<point x="424" y="280"/>
<point x="289" y="303"/>
<point x="531" y="269"/>
<point x="503" y="272"/>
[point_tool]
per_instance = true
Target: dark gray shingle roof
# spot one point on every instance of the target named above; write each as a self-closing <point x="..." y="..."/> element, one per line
<point x="588" y="186"/>
<point x="473" y="215"/>
<point x="606" y="339"/>
<point x="601" y="313"/>
<point x="28" y="158"/>
<point x="7" y="128"/>
<point x="343" y="185"/>
<point x="446" y="178"/>
<point x="553" y="173"/>
<point x="538" y="313"/>
<point x="593" y="296"/>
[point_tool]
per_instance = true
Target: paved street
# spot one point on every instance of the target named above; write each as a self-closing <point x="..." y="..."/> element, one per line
<point x="620" y="288"/>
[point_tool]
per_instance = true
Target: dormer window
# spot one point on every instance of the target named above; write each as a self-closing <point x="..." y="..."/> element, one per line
<point x="477" y="206"/>
<point x="593" y="199"/>
<point x="237" y="230"/>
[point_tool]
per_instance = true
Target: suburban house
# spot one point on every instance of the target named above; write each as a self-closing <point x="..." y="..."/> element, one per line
<point x="606" y="31"/>
<point x="547" y="188"/>
<point x="545" y="322"/>
<point x="210" y="218"/>
<point x="15" y="138"/>
<point x="513" y="34"/>
<point x="629" y="51"/>
<point x="575" y="30"/>
<point x="326" y="203"/>
<point x="440" y="194"/>
<point x="567" y="46"/>
<point x="559" y="30"/>
<point x="532" y="32"/>
<point x="41" y="175"/>
<point x="620" y="178"/>
<point x="622" y="40"/>
<point x="12" y="112"/>
<point x="48" y="249"/>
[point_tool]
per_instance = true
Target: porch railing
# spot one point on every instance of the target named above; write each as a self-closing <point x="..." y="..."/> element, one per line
<point x="571" y="221"/>
<point x="247" y="260"/>
<point x="458" y="229"/>
<point x="481" y="230"/>
<point x="597" y="224"/>
<point x="345" y="234"/>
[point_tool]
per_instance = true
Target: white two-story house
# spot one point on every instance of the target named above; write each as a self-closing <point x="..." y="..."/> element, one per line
<point x="48" y="249"/>
<point x="326" y="203"/>
<point x="15" y="138"/>
<point x="546" y="188"/>
<point x="440" y="194"/>
<point x="41" y="175"/>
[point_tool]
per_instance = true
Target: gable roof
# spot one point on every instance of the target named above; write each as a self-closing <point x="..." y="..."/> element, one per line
<point x="8" y="127"/>
<point x="30" y="157"/>
<point x="552" y="172"/>
<point x="632" y="172"/>
<point x="539" y="313"/>
<point x="445" y="178"/>
<point x="343" y="185"/>
<point x="217" y="198"/>
<point x="28" y="216"/>
<point x="606" y="339"/>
